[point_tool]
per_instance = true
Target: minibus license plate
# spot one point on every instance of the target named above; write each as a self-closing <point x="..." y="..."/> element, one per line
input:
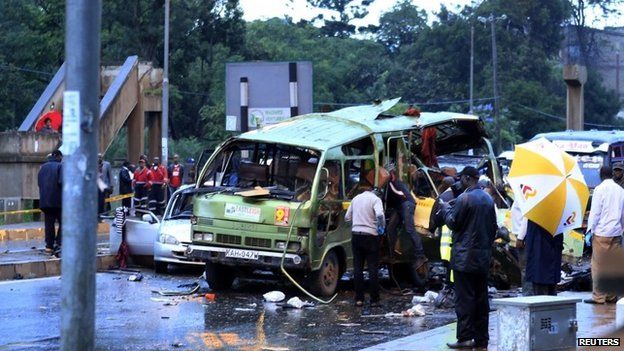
<point x="246" y="254"/>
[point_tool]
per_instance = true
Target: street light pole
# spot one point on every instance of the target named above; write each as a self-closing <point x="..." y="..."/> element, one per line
<point x="80" y="143"/>
<point x="165" y="92"/>
<point x="471" y="68"/>
<point x="499" y="142"/>
<point x="496" y="109"/>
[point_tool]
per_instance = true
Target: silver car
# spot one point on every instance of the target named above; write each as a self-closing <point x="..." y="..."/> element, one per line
<point x="174" y="232"/>
<point x="162" y="240"/>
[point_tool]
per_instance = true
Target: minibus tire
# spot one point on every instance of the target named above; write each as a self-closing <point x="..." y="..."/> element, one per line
<point x="219" y="277"/>
<point x="324" y="281"/>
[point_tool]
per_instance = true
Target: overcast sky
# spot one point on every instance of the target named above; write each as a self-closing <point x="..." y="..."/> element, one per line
<point x="299" y="9"/>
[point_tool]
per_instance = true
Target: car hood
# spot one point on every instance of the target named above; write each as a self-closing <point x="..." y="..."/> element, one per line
<point x="179" y="228"/>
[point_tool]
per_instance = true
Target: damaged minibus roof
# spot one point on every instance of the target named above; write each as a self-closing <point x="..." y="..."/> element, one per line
<point x="322" y="131"/>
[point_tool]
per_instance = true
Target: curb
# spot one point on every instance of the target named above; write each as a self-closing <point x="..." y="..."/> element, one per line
<point x="47" y="268"/>
<point x="38" y="233"/>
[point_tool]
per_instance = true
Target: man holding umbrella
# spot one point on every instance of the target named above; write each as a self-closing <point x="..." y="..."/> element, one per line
<point x="551" y="193"/>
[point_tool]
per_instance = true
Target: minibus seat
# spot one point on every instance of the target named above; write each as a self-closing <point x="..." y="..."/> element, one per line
<point x="252" y="174"/>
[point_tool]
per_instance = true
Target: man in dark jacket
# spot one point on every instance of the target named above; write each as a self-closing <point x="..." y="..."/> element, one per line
<point x="50" y="179"/>
<point x="473" y="221"/>
<point x="125" y="183"/>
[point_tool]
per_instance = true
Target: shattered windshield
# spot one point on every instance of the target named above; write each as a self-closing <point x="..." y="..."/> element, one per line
<point x="182" y="206"/>
<point x="283" y="169"/>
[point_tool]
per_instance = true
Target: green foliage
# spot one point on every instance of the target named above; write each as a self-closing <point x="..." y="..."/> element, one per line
<point x="426" y="63"/>
<point x="348" y="10"/>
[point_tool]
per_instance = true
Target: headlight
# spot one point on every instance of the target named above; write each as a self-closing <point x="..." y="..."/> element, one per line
<point x="168" y="239"/>
<point x="193" y="220"/>
<point x="203" y="236"/>
<point x="292" y="245"/>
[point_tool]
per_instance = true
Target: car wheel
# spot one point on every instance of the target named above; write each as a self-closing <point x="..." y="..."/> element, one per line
<point x="325" y="280"/>
<point x="219" y="277"/>
<point x="161" y="267"/>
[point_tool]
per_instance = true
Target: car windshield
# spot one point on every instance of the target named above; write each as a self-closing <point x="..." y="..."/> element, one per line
<point x="282" y="169"/>
<point x="182" y="206"/>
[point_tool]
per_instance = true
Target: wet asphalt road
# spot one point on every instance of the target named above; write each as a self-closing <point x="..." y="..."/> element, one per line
<point x="129" y="316"/>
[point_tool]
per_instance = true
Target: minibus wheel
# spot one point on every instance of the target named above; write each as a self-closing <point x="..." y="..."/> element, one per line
<point x="218" y="276"/>
<point x="325" y="280"/>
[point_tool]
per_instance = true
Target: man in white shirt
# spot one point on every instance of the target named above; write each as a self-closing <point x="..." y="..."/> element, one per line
<point x="604" y="228"/>
<point x="368" y="222"/>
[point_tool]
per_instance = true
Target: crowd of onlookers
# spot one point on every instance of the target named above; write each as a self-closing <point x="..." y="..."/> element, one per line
<point x="146" y="186"/>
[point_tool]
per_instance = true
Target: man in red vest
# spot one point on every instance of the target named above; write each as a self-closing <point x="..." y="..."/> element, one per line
<point x="158" y="180"/>
<point x="176" y="174"/>
<point x="140" y="185"/>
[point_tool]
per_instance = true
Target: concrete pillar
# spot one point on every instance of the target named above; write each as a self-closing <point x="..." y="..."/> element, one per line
<point x="575" y="77"/>
<point x="136" y="127"/>
<point x="154" y="142"/>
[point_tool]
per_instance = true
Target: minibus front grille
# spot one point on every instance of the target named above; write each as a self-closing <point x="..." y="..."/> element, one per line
<point x="258" y="242"/>
<point x="228" y="239"/>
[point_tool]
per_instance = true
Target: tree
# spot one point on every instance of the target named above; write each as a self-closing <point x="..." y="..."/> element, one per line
<point x="400" y="26"/>
<point x="31" y="50"/>
<point x="347" y="10"/>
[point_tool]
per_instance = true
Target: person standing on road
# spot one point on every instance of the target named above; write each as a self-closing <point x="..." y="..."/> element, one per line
<point x="519" y="228"/>
<point x="176" y="174"/>
<point x="106" y="188"/>
<point x="543" y="259"/>
<point x="618" y="173"/>
<point x="141" y="185"/>
<point x="50" y="180"/>
<point x="473" y="221"/>
<point x="402" y="201"/>
<point x="604" y="228"/>
<point x="157" y="180"/>
<point x="368" y="223"/>
<point x="125" y="183"/>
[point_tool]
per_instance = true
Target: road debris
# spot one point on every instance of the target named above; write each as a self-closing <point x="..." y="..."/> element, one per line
<point x="415" y="311"/>
<point x="349" y="324"/>
<point x="274" y="296"/>
<point x="296" y="302"/>
<point x="135" y="277"/>
<point x="374" y="332"/>
<point x="429" y="297"/>
<point x="243" y="309"/>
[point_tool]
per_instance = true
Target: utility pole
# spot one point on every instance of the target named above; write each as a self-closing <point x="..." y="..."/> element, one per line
<point x="471" y="68"/>
<point x="499" y="142"/>
<point x="80" y="139"/>
<point x="496" y="110"/>
<point x="165" y="92"/>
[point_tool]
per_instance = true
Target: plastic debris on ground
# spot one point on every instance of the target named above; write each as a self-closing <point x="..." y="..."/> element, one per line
<point x="415" y="311"/>
<point x="274" y="296"/>
<point x="429" y="297"/>
<point x="298" y="303"/>
<point x="135" y="277"/>
<point x="241" y="309"/>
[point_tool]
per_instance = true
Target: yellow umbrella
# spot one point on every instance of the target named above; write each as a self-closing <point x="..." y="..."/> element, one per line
<point x="549" y="186"/>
